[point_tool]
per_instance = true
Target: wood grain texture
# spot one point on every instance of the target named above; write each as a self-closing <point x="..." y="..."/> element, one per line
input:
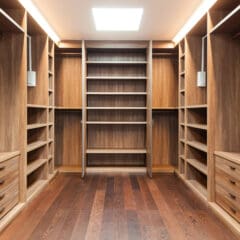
<point x="165" y="138"/>
<point x="117" y="207"/>
<point x="68" y="142"/>
<point x="68" y="84"/>
<point x="164" y="82"/>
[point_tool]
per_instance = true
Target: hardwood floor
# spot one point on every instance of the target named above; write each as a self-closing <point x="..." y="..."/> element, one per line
<point x="116" y="207"/>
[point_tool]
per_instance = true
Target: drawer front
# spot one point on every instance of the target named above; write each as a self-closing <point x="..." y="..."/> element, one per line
<point x="227" y="182"/>
<point x="9" y="198"/>
<point x="228" y="202"/>
<point x="228" y="167"/>
<point x="9" y="166"/>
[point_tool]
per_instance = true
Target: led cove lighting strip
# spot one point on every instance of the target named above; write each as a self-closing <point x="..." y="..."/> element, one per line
<point x="197" y="15"/>
<point x="34" y="12"/>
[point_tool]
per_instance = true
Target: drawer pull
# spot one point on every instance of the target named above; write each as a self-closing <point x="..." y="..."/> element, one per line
<point x="232" y="168"/>
<point x="233" y="210"/>
<point x="2" y="209"/>
<point x="2" y="168"/>
<point x="232" y="196"/>
<point x="232" y="182"/>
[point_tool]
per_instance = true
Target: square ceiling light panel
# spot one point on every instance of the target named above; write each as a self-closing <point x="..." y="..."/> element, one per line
<point x="117" y="19"/>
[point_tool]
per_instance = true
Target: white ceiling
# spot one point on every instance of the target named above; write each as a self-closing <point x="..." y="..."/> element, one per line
<point x="73" y="20"/>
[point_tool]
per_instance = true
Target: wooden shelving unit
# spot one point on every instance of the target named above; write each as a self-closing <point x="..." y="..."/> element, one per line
<point x="117" y="79"/>
<point x="68" y="108"/>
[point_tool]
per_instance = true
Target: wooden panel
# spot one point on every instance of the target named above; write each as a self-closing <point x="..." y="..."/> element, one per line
<point x="68" y="84"/>
<point x="164" y="85"/>
<point x="194" y="95"/>
<point x="165" y="137"/>
<point x="39" y="94"/>
<point x="68" y="144"/>
<point x="108" y="136"/>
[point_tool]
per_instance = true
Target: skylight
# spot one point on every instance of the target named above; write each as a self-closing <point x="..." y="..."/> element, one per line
<point x="117" y="19"/>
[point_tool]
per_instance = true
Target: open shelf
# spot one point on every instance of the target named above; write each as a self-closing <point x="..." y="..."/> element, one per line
<point x="197" y="126"/>
<point x="35" y="145"/>
<point x="117" y="62"/>
<point x="198" y="165"/>
<point x="36" y="106"/>
<point x="116" y="108"/>
<point x="114" y="123"/>
<point x="197" y="106"/>
<point x="199" y="187"/>
<point x="197" y="145"/>
<point x="35" y="165"/>
<point x="117" y="77"/>
<point x="36" y="125"/>
<point x="116" y="151"/>
<point x="8" y="24"/>
<point x="116" y="93"/>
<point x="35" y="188"/>
<point x="7" y="155"/>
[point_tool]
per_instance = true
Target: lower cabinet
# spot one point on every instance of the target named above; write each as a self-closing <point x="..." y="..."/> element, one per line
<point x="9" y="185"/>
<point x="227" y="186"/>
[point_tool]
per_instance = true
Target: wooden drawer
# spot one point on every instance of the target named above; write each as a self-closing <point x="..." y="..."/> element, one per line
<point x="228" y="201"/>
<point x="230" y="168"/>
<point x="9" y="198"/>
<point x="9" y="166"/>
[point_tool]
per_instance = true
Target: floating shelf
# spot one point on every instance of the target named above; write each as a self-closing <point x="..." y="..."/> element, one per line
<point x="116" y="151"/>
<point x="198" y="145"/>
<point x="116" y="93"/>
<point x="36" y="125"/>
<point x="115" y="123"/>
<point x="198" y="165"/>
<point x="7" y="155"/>
<point x="35" y="145"/>
<point x="117" y="62"/>
<point x="117" y="77"/>
<point x="197" y="126"/>
<point x="35" y="165"/>
<point x="8" y="24"/>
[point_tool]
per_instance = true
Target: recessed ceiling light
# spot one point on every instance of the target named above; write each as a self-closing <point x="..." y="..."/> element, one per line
<point x="197" y="15"/>
<point x="35" y="13"/>
<point x="117" y="19"/>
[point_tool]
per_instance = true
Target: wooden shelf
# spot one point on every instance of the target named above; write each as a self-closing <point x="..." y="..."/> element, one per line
<point x="35" y="165"/>
<point x="68" y="108"/>
<point x="36" y="125"/>
<point x="35" y="188"/>
<point x="164" y="108"/>
<point x="116" y="151"/>
<point x="198" y="165"/>
<point x="117" y="77"/>
<point x="117" y="62"/>
<point x="116" y="93"/>
<point x="8" y="155"/>
<point x="8" y="24"/>
<point x="197" y="145"/>
<point x="114" y="123"/>
<point x="182" y="73"/>
<point x="182" y="91"/>
<point x="228" y="24"/>
<point x="197" y="106"/>
<point x="35" y="145"/>
<point x="50" y="73"/>
<point x="36" y="106"/>
<point x="182" y="157"/>
<point x="116" y="108"/>
<point x="50" y="90"/>
<point x="232" y="156"/>
<point x="198" y="187"/>
<point x="197" y="126"/>
<point x="182" y="140"/>
<point x="182" y="56"/>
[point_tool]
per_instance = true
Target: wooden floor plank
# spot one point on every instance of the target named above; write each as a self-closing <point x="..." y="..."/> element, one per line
<point x="116" y="207"/>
